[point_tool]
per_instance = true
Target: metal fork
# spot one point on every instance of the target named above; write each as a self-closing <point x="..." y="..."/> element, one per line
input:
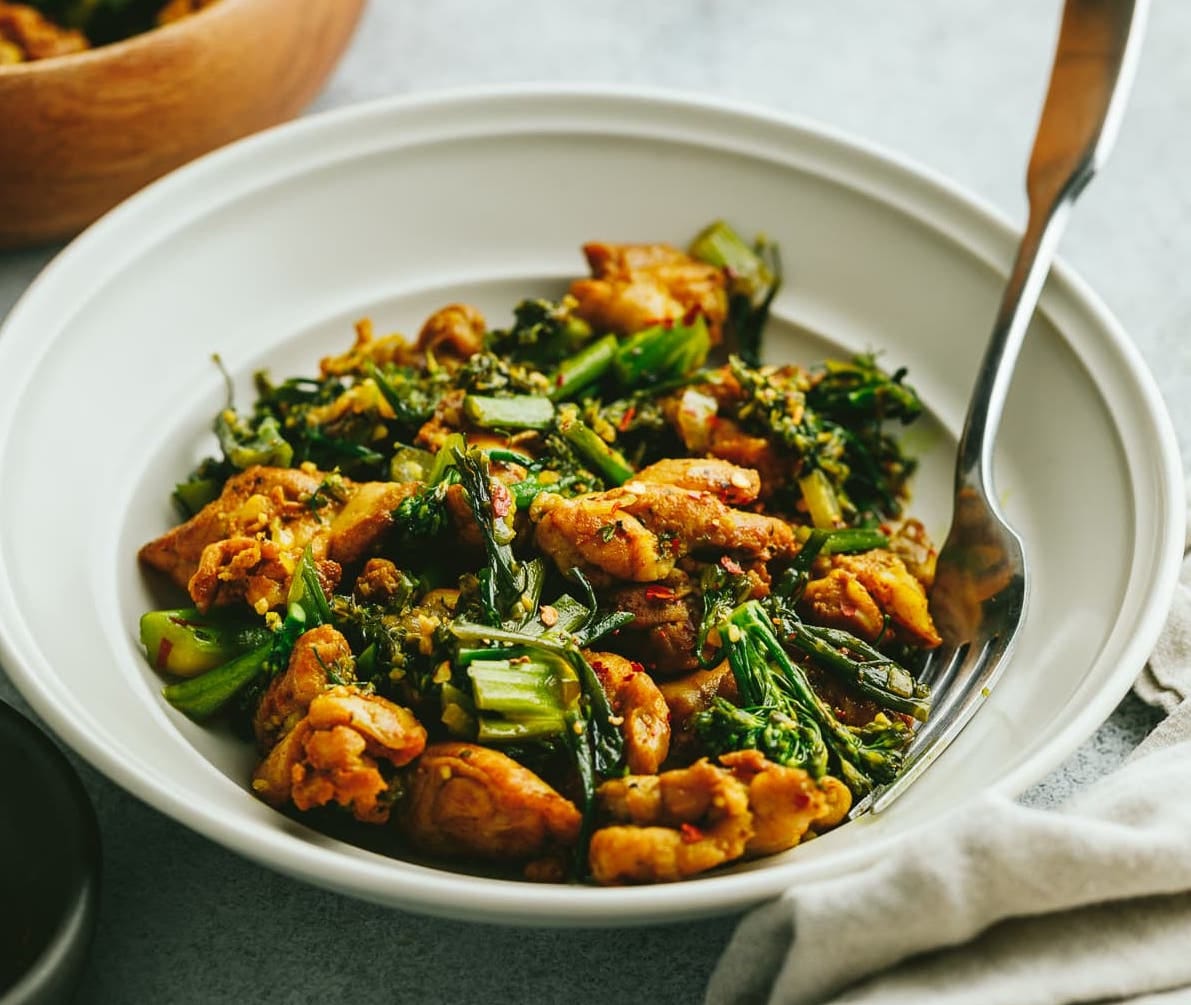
<point x="981" y="584"/>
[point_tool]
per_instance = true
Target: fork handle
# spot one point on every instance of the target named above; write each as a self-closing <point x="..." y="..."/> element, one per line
<point x="1093" y="67"/>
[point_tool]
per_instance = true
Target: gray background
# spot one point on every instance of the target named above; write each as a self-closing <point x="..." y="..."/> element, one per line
<point x="954" y="86"/>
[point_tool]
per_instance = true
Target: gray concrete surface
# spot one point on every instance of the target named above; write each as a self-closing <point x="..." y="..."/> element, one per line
<point x="953" y="86"/>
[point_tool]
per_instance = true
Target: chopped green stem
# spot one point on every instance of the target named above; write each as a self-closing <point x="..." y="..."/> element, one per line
<point x="584" y="368"/>
<point x="201" y="697"/>
<point x="870" y="671"/>
<point x="186" y="642"/>
<point x="523" y="411"/>
<point x="662" y="353"/>
<point x="603" y="459"/>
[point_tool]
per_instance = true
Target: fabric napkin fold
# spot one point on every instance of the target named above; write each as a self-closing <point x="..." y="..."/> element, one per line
<point x="1003" y="903"/>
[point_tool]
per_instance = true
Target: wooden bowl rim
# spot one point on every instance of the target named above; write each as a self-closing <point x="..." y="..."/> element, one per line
<point x="132" y="45"/>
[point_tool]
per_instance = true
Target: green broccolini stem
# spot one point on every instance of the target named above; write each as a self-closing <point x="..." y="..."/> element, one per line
<point x="523" y="411"/>
<point x="604" y="459"/>
<point x="584" y="368"/>
<point x="201" y="697"/>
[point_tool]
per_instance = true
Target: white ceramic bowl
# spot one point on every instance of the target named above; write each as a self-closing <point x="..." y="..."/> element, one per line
<point x="266" y="252"/>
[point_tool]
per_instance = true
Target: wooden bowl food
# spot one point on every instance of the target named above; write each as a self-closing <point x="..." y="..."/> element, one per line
<point x="80" y="132"/>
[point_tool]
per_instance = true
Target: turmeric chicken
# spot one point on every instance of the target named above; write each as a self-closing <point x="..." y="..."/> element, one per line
<point x="567" y="599"/>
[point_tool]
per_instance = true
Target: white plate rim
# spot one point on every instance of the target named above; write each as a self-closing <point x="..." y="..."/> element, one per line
<point x="508" y="900"/>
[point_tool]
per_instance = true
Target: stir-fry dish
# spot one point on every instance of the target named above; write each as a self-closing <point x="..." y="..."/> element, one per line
<point x="41" y="29"/>
<point x="595" y="596"/>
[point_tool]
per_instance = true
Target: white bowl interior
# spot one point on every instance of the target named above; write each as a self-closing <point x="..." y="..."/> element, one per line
<point x="268" y="252"/>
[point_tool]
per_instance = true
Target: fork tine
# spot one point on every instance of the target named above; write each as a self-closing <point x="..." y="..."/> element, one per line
<point x="982" y="668"/>
<point x="940" y="669"/>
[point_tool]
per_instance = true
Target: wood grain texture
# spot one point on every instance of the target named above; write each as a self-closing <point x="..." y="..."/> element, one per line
<point x="80" y="133"/>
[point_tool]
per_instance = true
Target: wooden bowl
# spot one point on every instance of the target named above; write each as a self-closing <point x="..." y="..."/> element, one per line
<point x="82" y="132"/>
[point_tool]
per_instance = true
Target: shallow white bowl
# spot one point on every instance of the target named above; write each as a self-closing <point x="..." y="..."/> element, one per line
<point x="266" y="252"/>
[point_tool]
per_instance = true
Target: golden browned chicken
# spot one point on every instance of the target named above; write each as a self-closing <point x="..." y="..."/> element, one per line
<point x="637" y="702"/>
<point x="670" y="826"/>
<point x="786" y="802"/>
<point x="317" y="655"/>
<point x="333" y="754"/>
<point x="245" y="545"/>
<point x="639" y="531"/>
<point x="456" y="330"/>
<point x="896" y="591"/>
<point x="369" y="349"/>
<point x="691" y="694"/>
<point x="680" y="823"/>
<point x="467" y="801"/>
<point x="729" y="483"/>
<point x="664" y="632"/>
<point x="635" y="286"/>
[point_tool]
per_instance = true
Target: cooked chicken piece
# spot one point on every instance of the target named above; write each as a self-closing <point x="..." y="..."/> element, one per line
<point x="839" y="600"/>
<point x="638" y="531"/>
<point x="317" y="653"/>
<point x="689" y="695"/>
<point x="670" y="826"/>
<point x="596" y="535"/>
<point x="34" y="35"/>
<point x="456" y="330"/>
<point x="467" y="801"/>
<point x="911" y="543"/>
<point x="636" y="700"/>
<point x="896" y="591"/>
<point x="731" y="443"/>
<point x="378" y="582"/>
<point x="365" y="518"/>
<point x="260" y="501"/>
<point x="786" y="802"/>
<point x="730" y="484"/>
<point x="635" y="286"/>
<point x="665" y="627"/>
<point x="245" y="545"/>
<point x="332" y="755"/>
<point x="254" y="570"/>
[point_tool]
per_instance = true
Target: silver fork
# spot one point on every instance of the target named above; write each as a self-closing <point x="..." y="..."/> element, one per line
<point x="981" y="584"/>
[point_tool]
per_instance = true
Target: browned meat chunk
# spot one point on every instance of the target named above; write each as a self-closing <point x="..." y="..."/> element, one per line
<point x="689" y="695"/>
<point x="898" y="593"/>
<point x="730" y="484"/>
<point x="317" y="653"/>
<point x="635" y="286"/>
<point x="334" y="754"/>
<point x="638" y="531"/>
<point x="636" y="700"/>
<point x="786" y="802"/>
<point x="664" y="631"/>
<point x="245" y="545"/>
<point x="456" y="330"/>
<point x="670" y="826"/>
<point x="467" y="801"/>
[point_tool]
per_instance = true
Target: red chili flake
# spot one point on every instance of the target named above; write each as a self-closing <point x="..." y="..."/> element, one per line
<point x="627" y="418"/>
<point x="501" y="500"/>
<point x="692" y="315"/>
<point x="731" y="566"/>
<point x="659" y="593"/>
<point x="801" y="801"/>
<point x="559" y="380"/>
<point x="637" y="667"/>
<point x="667" y="323"/>
<point x="690" y="833"/>
<point x="163" y="653"/>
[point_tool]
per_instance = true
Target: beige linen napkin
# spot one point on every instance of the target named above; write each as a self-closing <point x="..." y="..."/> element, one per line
<point x="1003" y="904"/>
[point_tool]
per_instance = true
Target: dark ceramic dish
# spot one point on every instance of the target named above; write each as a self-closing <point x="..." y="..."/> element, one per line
<point x="49" y="867"/>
